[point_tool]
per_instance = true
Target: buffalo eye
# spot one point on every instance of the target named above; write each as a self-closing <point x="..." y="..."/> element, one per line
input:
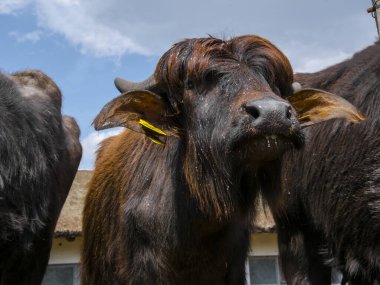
<point x="189" y="84"/>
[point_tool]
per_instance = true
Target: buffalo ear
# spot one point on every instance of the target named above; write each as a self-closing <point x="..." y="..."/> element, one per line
<point x="139" y="110"/>
<point x="315" y="106"/>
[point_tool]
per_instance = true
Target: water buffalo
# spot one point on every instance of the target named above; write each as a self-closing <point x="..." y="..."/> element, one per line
<point x="172" y="197"/>
<point x="332" y="216"/>
<point x="39" y="156"/>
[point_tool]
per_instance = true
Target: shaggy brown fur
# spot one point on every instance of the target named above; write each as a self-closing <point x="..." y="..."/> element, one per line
<point x="181" y="213"/>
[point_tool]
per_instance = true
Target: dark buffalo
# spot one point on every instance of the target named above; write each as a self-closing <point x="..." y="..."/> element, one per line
<point x="172" y="201"/>
<point x="39" y="156"/>
<point x="332" y="218"/>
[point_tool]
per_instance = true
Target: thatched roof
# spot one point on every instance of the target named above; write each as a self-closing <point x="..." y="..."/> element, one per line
<point x="264" y="222"/>
<point x="70" y="221"/>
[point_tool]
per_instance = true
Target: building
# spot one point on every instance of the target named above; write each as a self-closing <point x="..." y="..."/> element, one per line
<point x="63" y="266"/>
<point x="262" y="264"/>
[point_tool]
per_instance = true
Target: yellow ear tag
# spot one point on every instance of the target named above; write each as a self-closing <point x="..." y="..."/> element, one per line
<point x="156" y="140"/>
<point x="152" y="132"/>
<point x="152" y="128"/>
<point x="303" y="118"/>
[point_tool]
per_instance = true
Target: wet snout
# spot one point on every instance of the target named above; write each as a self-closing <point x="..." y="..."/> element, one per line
<point x="269" y="114"/>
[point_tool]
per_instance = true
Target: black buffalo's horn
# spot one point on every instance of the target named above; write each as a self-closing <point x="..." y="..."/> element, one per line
<point x="125" y="86"/>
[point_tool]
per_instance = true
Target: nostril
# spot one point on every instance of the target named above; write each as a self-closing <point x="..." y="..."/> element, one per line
<point x="288" y="112"/>
<point x="269" y="110"/>
<point x="253" y="110"/>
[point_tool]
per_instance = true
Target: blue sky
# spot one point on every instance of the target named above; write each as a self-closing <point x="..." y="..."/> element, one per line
<point x="84" y="44"/>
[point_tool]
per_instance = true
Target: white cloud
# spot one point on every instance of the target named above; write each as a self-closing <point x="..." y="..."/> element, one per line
<point x="12" y="6"/>
<point x="74" y="20"/>
<point x="118" y="27"/>
<point x="114" y="28"/>
<point x="90" y="145"/>
<point x="316" y="63"/>
<point x="33" y="37"/>
<point x="314" y="56"/>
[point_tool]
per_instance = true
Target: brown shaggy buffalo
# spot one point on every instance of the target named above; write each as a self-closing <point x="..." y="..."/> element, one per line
<point x="39" y="156"/>
<point x="332" y="217"/>
<point x="172" y="197"/>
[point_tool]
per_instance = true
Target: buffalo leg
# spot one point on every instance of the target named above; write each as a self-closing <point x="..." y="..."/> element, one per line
<point x="236" y="263"/>
<point x="300" y="260"/>
<point x="27" y="269"/>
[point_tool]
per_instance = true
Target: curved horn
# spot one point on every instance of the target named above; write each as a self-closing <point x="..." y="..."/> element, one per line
<point x="125" y="86"/>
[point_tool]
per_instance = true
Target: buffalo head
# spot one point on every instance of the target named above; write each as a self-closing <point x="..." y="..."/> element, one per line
<point x="230" y="104"/>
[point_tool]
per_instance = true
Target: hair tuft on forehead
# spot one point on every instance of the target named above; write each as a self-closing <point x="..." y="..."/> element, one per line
<point x="195" y="59"/>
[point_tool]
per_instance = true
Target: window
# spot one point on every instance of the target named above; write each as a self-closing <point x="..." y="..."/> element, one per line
<point x="263" y="270"/>
<point x="336" y="277"/>
<point x="65" y="274"/>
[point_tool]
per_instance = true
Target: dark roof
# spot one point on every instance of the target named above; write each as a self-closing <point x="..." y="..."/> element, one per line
<point x="70" y="221"/>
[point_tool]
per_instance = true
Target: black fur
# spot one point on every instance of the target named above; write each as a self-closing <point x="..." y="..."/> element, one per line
<point x="332" y="218"/>
<point x="35" y="149"/>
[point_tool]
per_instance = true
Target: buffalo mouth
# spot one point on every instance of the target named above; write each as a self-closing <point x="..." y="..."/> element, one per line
<point x="267" y="147"/>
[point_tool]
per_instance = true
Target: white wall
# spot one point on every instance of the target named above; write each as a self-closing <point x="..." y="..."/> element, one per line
<point x="68" y="252"/>
<point x="264" y="244"/>
<point x="65" y="252"/>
